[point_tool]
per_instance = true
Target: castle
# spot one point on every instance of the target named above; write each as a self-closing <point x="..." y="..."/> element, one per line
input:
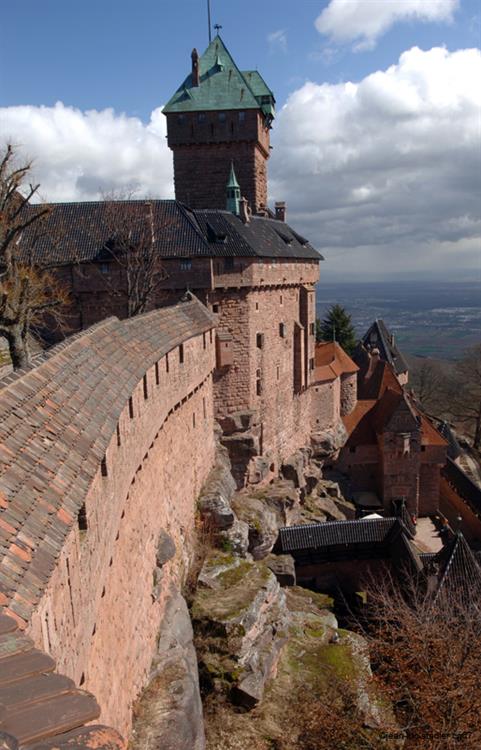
<point x="108" y="439"/>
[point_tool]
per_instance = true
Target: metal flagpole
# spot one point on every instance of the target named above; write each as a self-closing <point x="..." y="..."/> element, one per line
<point x="208" y="19"/>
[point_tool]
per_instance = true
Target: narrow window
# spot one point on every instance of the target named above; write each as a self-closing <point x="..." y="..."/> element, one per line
<point x="313" y="329"/>
<point x="201" y="117"/>
<point x="104" y="268"/>
<point x="258" y="383"/>
<point x="166" y="363"/>
<point x="204" y="408"/>
<point x="185" y="265"/>
<point x="311" y="364"/>
<point x="257" y="306"/>
<point x="221" y="116"/>
<point x="193" y="420"/>
<point x="242" y="117"/>
<point x="131" y="408"/>
<point x="181" y="354"/>
<point x="119" y="439"/>
<point x="82" y="679"/>
<point x="204" y="341"/>
<point x="278" y="372"/>
<point x="157" y="374"/>
<point x="282" y="330"/>
<point x="280" y="300"/>
<point x="260" y="340"/>
<point x="103" y="467"/>
<point x="146" y="389"/>
<point x="215" y="308"/>
<point x="82" y="518"/>
<point x="103" y="593"/>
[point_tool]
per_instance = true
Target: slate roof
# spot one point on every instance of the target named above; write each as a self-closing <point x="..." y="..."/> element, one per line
<point x="81" y="232"/>
<point x="39" y="708"/>
<point x="378" y="336"/>
<point x="222" y="86"/>
<point x="454" y="449"/>
<point x="56" y="421"/>
<point x="334" y="533"/>
<point x="460" y="573"/>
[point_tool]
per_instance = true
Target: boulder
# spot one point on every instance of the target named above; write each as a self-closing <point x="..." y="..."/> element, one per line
<point x="235" y="538"/>
<point x="214" y="500"/>
<point x="263" y="523"/>
<point x="327" y="443"/>
<point x="283" y="567"/>
<point x="165" y="548"/>
<point x="241" y="421"/>
<point x="294" y="468"/>
<point x="169" y="711"/>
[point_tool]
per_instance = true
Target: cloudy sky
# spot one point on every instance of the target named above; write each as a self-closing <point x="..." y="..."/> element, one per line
<point x="376" y="140"/>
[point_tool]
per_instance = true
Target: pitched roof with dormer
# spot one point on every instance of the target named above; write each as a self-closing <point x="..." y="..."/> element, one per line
<point x="378" y="336"/>
<point x="81" y="232"/>
<point x="222" y="86"/>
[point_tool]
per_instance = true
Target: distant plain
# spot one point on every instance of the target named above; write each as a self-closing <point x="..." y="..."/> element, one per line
<point x="429" y="319"/>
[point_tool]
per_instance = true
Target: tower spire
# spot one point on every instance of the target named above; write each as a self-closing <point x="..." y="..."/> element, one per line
<point x="233" y="192"/>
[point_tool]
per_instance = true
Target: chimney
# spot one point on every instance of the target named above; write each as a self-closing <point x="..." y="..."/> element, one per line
<point x="195" y="68"/>
<point x="280" y="208"/>
<point x="244" y="212"/>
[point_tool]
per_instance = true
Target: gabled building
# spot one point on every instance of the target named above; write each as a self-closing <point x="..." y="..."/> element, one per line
<point x="393" y="450"/>
<point x="379" y="338"/>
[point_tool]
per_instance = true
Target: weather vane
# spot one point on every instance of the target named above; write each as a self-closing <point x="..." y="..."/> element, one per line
<point x="217" y="26"/>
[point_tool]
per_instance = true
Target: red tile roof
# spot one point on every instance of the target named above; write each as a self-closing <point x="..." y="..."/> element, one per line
<point x="331" y="361"/>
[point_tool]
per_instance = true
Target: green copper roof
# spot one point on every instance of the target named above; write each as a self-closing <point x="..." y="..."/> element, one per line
<point x="232" y="181"/>
<point x="222" y="86"/>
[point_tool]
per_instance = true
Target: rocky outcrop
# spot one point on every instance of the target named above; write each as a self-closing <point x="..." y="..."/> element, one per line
<point x="240" y="621"/>
<point x="241" y="437"/>
<point x="314" y="654"/>
<point x="326" y="444"/>
<point x="168" y="714"/>
<point x="265" y="511"/>
<point x="283" y="567"/>
<point x="214" y="501"/>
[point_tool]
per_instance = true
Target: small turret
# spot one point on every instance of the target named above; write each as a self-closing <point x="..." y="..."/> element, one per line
<point x="233" y="192"/>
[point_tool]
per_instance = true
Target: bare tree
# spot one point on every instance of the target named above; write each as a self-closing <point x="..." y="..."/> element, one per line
<point x="28" y="292"/>
<point x="430" y="384"/>
<point x="465" y="393"/>
<point x="427" y="656"/>
<point x="132" y="242"/>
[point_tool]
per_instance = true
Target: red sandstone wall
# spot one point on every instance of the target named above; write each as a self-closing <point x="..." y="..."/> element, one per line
<point x="348" y="393"/>
<point x="452" y="506"/>
<point x="99" y="617"/>
<point x="325" y="404"/>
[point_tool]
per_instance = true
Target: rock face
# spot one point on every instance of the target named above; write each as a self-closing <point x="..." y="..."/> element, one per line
<point x="283" y="567"/>
<point x="169" y="712"/>
<point x="265" y="511"/>
<point x="327" y="444"/>
<point x="240" y="620"/>
<point x="214" y="501"/>
<point x="241" y="437"/>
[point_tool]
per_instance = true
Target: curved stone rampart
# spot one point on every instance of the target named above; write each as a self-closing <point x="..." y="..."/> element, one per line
<point x="104" y="446"/>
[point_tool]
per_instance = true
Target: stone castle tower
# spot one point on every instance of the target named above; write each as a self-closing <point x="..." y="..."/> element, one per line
<point x="220" y="116"/>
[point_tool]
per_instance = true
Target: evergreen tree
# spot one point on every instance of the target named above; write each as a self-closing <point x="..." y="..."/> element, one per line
<point x="337" y="326"/>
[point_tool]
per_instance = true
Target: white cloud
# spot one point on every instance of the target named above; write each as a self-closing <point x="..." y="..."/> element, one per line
<point x="278" y="40"/>
<point x="364" y="21"/>
<point x="382" y="173"/>
<point x="80" y="155"/>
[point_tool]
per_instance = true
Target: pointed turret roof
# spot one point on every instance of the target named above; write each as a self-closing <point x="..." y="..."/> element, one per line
<point x="232" y="181"/>
<point x="222" y="86"/>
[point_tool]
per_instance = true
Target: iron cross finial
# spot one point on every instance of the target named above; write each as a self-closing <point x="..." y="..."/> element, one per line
<point x="217" y="27"/>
